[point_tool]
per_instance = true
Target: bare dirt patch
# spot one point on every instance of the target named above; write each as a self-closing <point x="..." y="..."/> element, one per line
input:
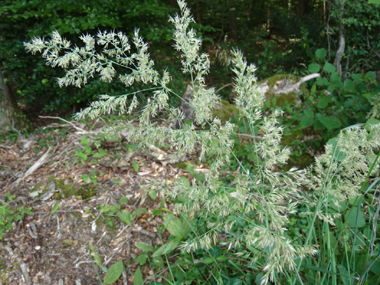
<point x="46" y="248"/>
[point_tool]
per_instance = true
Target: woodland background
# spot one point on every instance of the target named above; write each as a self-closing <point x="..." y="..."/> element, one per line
<point x="278" y="36"/>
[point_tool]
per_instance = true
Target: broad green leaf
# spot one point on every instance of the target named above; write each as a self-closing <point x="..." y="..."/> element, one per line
<point x="153" y="194"/>
<point x="190" y="168"/>
<point x="320" y="53"/>
<point x="167" y="247"/>
<point x="313" y="67"/>
<point x="85" y="140"/>
<point x="144" y="247"/>
<point x="141" y="259"/>
<point x="338" y="155"/>
<point x="370" y="123"/>
<point x="374" y="1"/>
<point x="344" y="275"/>
<point x="313" y="89"/>
<point x="114" y="273"/>
<point x="91" y="247"/>
<point x="324" y="101"/>
<point x="307" y="121"/>
<point x="184" y="180"/>
<point x="353" y="215"/>
<point x="329" y="67"/>
<point x="125" y="217"/>
<point x="330" y="122"/>
<point x="137" y="277"/>
<point x="348" y="84"/>
<point x="159" y="262"/>
<point x="208" y="260"/>
<point x="335" y="76"/>
<point x="309" y="113"/>
<point x="55" y="208"/>
<point x="101" y="152"/>
<point x="221" y="258"/>
<point x="85" y="177"/>
<point x="375" y="268"/>
<point x="322" y="81"/>
<point x="234" y="281"/>
<point x="337" y="84"/>
<point x="135" y="166"/>
<point x="199" y="177"/>
<point x="123" y="200"/>
<point x="370" y="74"/>
<point x="355" y="76"/>
<point x="177" y="227"/>
<point x="98" y="260"/>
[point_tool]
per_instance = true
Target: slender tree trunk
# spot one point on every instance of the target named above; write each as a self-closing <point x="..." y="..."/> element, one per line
<point x="342" y="42"/>
<point x="11" y="116"/>
<point x="198" y="13"/>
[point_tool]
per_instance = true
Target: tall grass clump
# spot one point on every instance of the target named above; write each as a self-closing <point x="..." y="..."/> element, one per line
<point x="294" y="227"/>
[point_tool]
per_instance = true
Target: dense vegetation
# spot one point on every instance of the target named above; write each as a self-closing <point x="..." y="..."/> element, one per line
<point x="278" y="36"/>
<point x="264" y="224"/>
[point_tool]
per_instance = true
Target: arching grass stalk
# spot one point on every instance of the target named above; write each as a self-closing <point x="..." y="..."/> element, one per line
<point x="350" y="160"/>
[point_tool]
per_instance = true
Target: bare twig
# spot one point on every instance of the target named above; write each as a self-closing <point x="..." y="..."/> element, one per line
<point x="74" y="126"/>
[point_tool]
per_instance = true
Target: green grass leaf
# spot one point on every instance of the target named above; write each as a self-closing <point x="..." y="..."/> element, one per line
<point x="55" y="208"/>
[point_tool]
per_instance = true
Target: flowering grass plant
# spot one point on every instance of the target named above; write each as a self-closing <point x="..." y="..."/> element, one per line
<point x="256" y="218"/>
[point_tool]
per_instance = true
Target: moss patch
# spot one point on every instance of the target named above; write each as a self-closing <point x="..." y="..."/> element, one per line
<point x="296" y="135"/>
<point x="181" y="165"/>
<point x="301" y="162"/>
<point x="85" y="191"/>
<point x="225" y="112"/>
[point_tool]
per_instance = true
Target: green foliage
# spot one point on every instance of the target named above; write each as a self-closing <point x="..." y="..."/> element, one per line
<point x="332" y="103"/>
<point x="84" y="153"/>
<point x="92" y="177"/>
<point x="11" y="137"/>
<point x="125" y="216"/>
<point x="9" y="216"/>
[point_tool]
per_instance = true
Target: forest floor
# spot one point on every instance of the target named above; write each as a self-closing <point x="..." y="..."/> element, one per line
<point x="48" y="167"/>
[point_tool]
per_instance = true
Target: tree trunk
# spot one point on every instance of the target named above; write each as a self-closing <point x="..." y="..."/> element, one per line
<point x="11" y="116"/>
<point x="342" y="42"/>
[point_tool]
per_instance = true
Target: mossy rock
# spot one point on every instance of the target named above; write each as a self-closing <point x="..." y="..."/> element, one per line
<point x="274" y="86"/>
<point x="301" y="162"/>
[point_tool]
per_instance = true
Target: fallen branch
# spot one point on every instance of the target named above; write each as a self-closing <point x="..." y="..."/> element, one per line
<point x="35" y="166"/>
<point x="74" y="126"/>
